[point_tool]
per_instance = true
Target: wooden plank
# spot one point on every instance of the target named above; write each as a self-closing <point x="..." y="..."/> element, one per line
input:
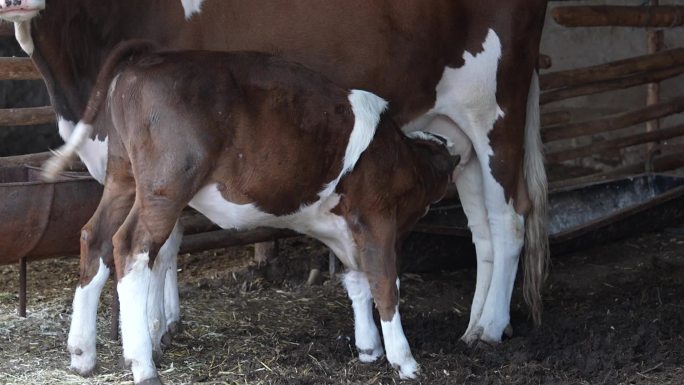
<point x="654" y="43"/>
<point x="555" y="117"/>
<point x="26" y="116"/>
<point x="632" y="140"/>
<point x="660" y="163"/>
<point x="612" y="70"/>
<point x="18" y="68"/>
<point x="610" y="85"/>
<point x="619" y="16"/>
<point x="29" y="159"/>
<point x="613" y="122"/>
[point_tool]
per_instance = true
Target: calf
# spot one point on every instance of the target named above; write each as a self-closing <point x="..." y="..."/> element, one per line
<point x="250" y="140"/>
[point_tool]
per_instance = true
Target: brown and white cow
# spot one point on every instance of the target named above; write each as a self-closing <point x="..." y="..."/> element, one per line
<point x="459" y="67"/>
<point x="249" y="139"/>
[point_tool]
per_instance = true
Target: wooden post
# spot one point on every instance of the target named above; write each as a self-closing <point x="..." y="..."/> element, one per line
<point x="654" y="44"/>
<point x="22" y="287"/>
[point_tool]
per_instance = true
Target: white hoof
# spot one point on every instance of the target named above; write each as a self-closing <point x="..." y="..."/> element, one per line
<point x="82" y="360"/>
<point x="370" y="355"/>
<point x="408" y="369"/>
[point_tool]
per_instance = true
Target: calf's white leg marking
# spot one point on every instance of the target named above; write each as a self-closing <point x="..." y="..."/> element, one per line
<point x="365" y="332"/>
<point x="135" y="335"/>
<point x="397" y="347"/>
<point x="83" y="332"/>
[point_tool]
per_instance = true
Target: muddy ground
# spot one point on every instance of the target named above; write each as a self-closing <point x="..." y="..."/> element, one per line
<point x="614" y="315"/>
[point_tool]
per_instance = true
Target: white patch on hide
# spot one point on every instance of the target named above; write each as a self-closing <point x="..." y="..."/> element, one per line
<point x="397" y="347"/>
<point x="191" y="7"/>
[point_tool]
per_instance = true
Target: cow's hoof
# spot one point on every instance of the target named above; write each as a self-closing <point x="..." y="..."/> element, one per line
<point x="472" y="336"/>
<point x="150" y="381"/>
<point x="370" y="355"/>
<point x="508" y="331"/>
<point x="157" y="357"/>
<point x="166" y="340"/>
<point x="174" y="328"/>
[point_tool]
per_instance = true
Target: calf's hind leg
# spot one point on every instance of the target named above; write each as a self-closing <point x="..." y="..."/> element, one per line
<point x="136" y="245"/>
<point x="96" y="261"/>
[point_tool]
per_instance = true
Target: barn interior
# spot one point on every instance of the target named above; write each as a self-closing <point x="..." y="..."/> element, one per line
<point x="276" y="313"/>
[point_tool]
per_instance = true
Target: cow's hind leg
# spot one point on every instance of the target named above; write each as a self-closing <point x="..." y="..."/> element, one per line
<point x="366" y="333"/>
<point x="96" y="261"/>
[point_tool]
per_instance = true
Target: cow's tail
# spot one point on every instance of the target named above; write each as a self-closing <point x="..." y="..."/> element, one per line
<point x="84" y="129"/>
<point x="536" y="254"/>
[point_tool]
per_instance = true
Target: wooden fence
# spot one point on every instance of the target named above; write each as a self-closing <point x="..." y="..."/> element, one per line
<point x="651" y="69"/>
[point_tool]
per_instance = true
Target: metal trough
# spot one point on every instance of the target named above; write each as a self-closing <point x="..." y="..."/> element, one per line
<point x="588" y="214"/>
<point x="41" y="219"/>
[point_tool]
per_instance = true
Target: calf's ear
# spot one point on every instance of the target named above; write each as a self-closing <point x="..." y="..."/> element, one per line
<point x="454" y="160"/>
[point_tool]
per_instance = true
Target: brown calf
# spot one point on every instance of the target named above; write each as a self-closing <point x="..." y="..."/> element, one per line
<point x="249" y="140"/>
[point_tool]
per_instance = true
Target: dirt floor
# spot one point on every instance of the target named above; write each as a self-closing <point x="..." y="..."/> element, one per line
<point x="614" y="315"/>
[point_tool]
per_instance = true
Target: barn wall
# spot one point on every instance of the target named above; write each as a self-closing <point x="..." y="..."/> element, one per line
<point x="15" y="94"/>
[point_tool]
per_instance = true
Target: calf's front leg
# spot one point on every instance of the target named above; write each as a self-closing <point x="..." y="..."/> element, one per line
<point x="377" y="256"/>
<point x="366" y="333"/>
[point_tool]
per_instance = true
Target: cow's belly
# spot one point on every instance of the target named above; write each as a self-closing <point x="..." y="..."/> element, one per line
<point x="315" y="220"/>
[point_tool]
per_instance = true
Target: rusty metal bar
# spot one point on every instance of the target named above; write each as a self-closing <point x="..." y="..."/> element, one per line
<point x="22" y="286"/>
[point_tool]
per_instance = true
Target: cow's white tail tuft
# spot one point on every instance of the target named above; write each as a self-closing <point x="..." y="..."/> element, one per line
<point x="61" y="157"/>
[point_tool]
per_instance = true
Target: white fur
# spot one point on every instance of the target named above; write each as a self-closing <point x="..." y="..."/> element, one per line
<point x="433" y="137"/>
<point x="367" y="108"/>
<point x="62" y="156"/>
<point x="22" y="32"/>
<point x="365" y="332"/>
<point x="83" y="331"/>
<point x="135" y="336"/>
<point x="397" y="347"/>
<point x="315" y="220"/>
<point x="467" y="97"/>
<point x="92" y="152"/>
<point x="191" y="7"/>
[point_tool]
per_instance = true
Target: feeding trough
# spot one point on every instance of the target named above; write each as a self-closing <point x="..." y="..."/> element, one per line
<point x="588" y="214"/>
<point x="41" y="219"/>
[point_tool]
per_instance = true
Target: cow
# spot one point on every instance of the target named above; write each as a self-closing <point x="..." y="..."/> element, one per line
<point x="462" y="68"/>
<point x="249" y="139"/>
